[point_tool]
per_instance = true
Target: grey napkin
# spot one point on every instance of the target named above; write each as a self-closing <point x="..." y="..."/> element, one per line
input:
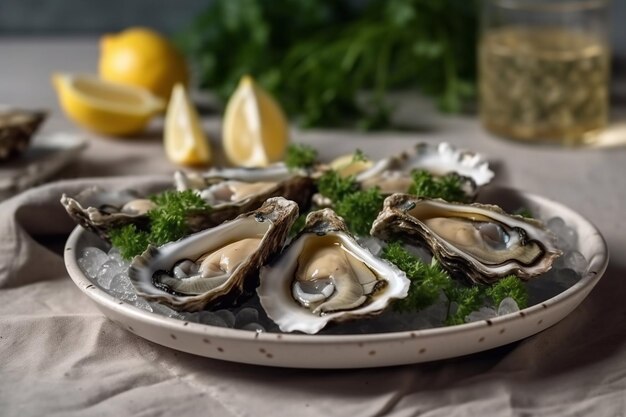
<point x="59" y="356"/>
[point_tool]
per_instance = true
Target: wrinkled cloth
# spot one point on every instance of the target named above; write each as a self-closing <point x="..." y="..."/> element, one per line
<point x="59" y="356"/>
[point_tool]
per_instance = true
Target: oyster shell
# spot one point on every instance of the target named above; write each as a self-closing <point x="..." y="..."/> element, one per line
<point x="393" y="174"/>
<point x="478" y="241"/>
<point x="213" y="268"/>
<point x="100" y="211"/>
<point x="276" y="172"/>
<point x="235" y="191"/>
<point x="324" y="275"/>
<point x="16" y="129"/>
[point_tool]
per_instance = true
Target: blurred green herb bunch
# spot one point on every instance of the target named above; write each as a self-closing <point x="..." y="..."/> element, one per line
<point x="318" y="56"/>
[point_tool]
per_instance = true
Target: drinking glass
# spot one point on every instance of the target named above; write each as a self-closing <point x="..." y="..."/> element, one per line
<point x="544" y="69"/>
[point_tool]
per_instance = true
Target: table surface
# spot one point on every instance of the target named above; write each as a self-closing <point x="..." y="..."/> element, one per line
<point x="591" y="181"/>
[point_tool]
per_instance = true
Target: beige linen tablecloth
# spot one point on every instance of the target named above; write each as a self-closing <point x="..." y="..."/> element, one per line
<point x="59" y="356"/>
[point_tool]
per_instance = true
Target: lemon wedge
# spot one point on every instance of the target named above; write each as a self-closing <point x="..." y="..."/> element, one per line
<point x="105" y="107"/>
<point x="346" y="165"/>
<point x="255" y="131"/>
<point x="184" y="139"/>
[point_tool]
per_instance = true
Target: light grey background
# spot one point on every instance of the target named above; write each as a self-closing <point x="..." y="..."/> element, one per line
<point x="45" y="17"/>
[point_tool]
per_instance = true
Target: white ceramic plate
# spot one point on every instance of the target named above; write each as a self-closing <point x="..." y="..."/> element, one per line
<point x="358" y="351"/>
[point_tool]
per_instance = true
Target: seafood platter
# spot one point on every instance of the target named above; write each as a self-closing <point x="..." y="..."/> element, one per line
<point x="274" y="266"/>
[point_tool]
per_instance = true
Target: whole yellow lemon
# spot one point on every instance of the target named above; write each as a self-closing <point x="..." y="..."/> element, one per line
<point x="143" y="58"/>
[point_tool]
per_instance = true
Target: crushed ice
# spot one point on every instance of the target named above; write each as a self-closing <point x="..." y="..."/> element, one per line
<point x="110" y="272"/>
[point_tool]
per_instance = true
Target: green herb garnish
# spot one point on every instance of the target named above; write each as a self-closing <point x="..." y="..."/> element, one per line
<point x="468" y="299"/>
<point x="360" y="209"/>
<point x="427" y="281"/>
<point x="300" y="156"/>
<point x="359" y="156"/>
<point x="447" y="187"/>
<point x="168" y="222"/>
<point x="510" y="286"/>
<point x="525" y="212"/>
<point x="336" y="187"/>
<point x="129" y="240"/>
<point x="298" y="225"/>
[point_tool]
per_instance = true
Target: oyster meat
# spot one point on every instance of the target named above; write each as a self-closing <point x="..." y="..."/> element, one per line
<point x="324" y="275"/>
<point x="214" y="267"/>
<point x="478" y="241"/>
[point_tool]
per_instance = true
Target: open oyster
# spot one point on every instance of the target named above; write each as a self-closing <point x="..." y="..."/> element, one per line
<point x="478" y="241"/>
<point x="324" y="275"/>
<point x="213" y="268"/>
<point x="236" y="191"/>
<point x="276" y="172"/>
<point x="100" y="211"/>
<point x="393" y="174"/>
<point x="16" y="129"/>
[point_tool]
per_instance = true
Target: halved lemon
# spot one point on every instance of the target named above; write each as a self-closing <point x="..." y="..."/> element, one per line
<point x="184" y="139"/>
<point x="255" y="131"/>
<point x="105" y="107"/>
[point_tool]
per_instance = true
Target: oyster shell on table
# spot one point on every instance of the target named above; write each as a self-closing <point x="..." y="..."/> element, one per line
<point x="478" y="241"/>
<point x="214" y="267"/>
<point x="324" y="275"/>
<point x="16" y="129"/>
<point x="100" y="211"/>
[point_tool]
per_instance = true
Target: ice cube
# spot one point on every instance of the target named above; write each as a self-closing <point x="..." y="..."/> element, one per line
<point x="507" y="306"/>
<point x="566" y="277"/>
<point x="483" y="313"/>
<point x="227" y="316"/>
<point x="107" y="271"/>
<point x="212" y="319"/>
<point x="122" y="288"/>
<point x="575" y="260"/>
<point x="90" y="260"/>
<point x="193" y="317"/>
<point x="115" y="255"/>
<point x="567" y="237"/>
<point x="246" y="315"/>
<point x="142" y="304"/>
<point x="419" y="251"/>
<point x="373" y="244"/>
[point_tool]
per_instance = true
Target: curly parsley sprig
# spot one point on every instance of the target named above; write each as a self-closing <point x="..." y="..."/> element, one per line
<point x="167" y="223"/>
<point x="428" y="281"/>
<point x="448" y="187"/>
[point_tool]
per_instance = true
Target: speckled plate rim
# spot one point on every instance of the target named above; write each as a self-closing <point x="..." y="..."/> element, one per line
<point x="354" y="351"/>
